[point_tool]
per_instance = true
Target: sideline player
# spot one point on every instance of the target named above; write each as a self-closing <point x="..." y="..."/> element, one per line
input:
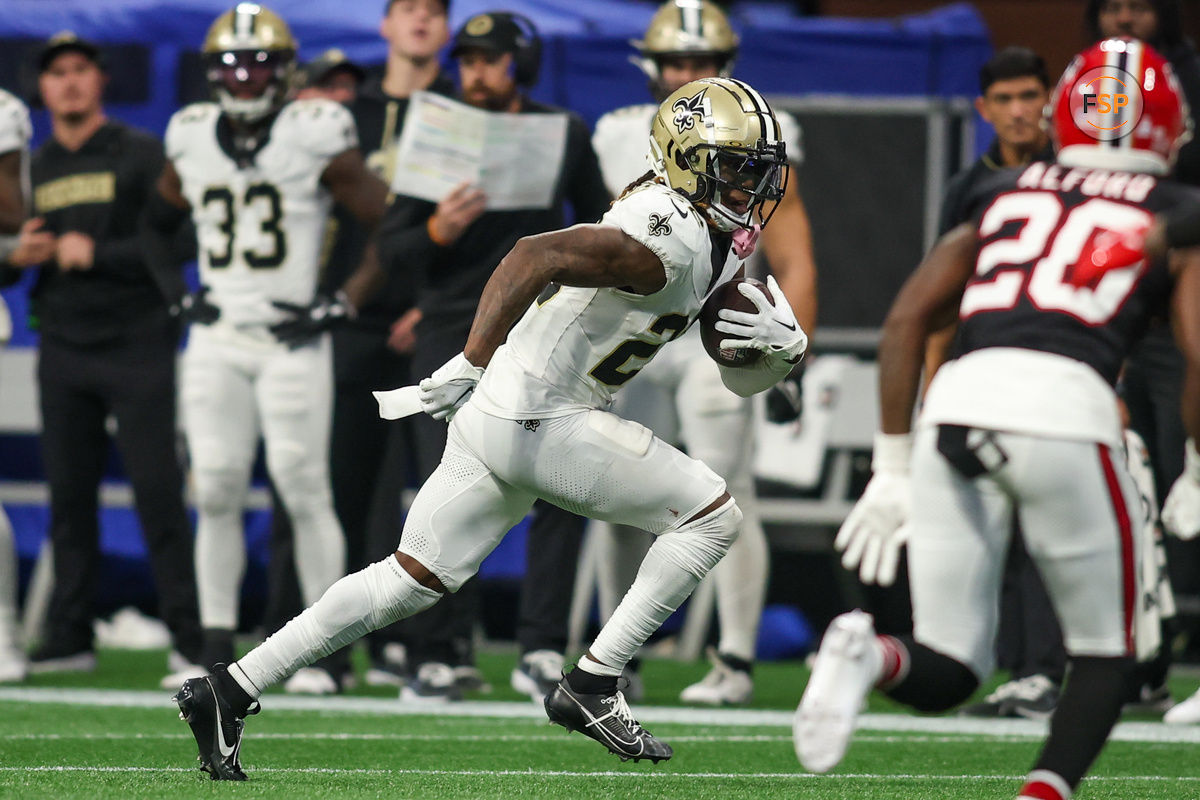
<point x="591" y="304"/>
<point x="681" y="396"/>
<point x="1025" y="421"/>
<point x="15" y="133"/>
<point x="259" y="175"/>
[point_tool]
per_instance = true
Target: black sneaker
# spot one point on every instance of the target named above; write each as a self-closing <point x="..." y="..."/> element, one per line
<point x="607" y="719"/>
<point x="216" y="726"/>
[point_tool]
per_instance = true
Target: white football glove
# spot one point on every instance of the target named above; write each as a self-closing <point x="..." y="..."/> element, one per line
<point x="1181" y="512"/>
<point x="877" y="527"/>
<point x="773" y="329"/>
<point x="449" y="387"/>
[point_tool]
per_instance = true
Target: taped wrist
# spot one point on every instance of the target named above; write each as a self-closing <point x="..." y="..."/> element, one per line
<point x="892" y="453"/>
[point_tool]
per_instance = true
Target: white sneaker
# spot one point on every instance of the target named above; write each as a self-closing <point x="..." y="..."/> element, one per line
<point x="434" y="683"/>
<point x="722" y="686"/>
<point x="13" y="666"/>
<point x="537" y="673"/>
<point x="1184" y="713"/>
<point x="179" y="669"/>
<point x="311" y="680"/>
<point x="846" y="667"/>
<point x="391" y="669"/>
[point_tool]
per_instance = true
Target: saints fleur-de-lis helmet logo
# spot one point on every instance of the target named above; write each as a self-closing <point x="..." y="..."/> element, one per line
<point x="687" y="109"/>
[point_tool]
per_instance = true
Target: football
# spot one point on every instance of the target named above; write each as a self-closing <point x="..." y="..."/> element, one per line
<point x="727" y="295"/>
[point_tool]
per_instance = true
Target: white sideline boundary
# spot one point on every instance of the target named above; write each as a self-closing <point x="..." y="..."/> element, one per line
<point x="703" y="717"/>
<point x="631" y="774"/>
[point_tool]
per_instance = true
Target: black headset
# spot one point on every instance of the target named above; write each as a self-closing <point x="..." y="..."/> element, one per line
<point x="528" y="58"/>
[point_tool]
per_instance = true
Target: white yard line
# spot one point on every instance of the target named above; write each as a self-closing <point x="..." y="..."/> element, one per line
<point x="636" y="775"/>
<point x="1126" y="731"/>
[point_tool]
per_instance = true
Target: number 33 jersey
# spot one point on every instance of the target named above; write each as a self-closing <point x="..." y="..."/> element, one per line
<point x="260" y="224"/>
<point x="1040" y="348"/>
<point x="575" y="346"/>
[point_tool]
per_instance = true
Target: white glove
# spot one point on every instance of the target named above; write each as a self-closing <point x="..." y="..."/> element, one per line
<point x="1181" y="512"/>
<point x="773" y="329"/>
<point x="449" y="387"/>
<point x="877" y="527"/>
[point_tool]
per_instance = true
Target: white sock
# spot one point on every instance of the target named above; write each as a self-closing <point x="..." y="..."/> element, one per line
<point x="670" y="572"/>
<point x="9" y="630"/>
<point x="375" y="596"/>
<point x="594" y="667"/>
<point x="741" y="583"/>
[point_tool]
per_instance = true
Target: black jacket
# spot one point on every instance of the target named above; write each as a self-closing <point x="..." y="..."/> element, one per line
<point x="100" y="190"/>
<point x="450" y="280"/>
<point x="955" y="208"/>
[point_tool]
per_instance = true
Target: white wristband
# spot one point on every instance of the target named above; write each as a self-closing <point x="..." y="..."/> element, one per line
<point x="892" y="453"/>
<point x="1191" y="460"/>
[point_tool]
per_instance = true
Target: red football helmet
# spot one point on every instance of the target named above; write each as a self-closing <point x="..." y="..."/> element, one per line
<point x="1119" y="106"/>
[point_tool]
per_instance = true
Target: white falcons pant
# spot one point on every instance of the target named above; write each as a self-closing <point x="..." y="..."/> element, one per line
<point x="1076" y="504"/>
<point x="681" y="398"/>
<point x="236" y="387"/>
<point x="590" y="462"/>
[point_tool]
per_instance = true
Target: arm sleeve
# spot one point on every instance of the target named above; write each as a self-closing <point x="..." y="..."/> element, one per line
<point x="760" y="376"/>
<point x="326" y="128"/>
<point x="585" y="184"/>
<point x="651" y="218"/>
<point x="15" y="128"/>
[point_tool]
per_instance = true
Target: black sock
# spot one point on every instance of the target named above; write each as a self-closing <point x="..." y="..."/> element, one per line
<point x="218" y="647"/>
<point x="587" y="683"/>
<point x="740" y="664"/>
<point x="1087" y="710"/>
<point x="934" y="682"/>
<point x="231" y="691"/>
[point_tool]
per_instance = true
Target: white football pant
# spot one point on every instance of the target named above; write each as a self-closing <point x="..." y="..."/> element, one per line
<point x="1078" y="510"/>
<point x="680" y="397"/>
<point x="236" y="386"/>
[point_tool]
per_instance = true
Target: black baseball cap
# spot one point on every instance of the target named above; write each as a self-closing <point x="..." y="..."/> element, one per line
<point x="332" y="60"/>
<point x="64" y="42"/>
<point x="497" y="32"/>
<point x="387" y="7"/>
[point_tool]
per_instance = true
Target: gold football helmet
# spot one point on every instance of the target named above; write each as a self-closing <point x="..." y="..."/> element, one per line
<point x="687" y="27"/>
<point x="249" y="56"/>
<point x="717" y="142"/>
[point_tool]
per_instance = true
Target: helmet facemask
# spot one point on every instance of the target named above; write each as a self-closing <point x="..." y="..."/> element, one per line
<point x="249" y="85"/>
<point x="746" y="184"/>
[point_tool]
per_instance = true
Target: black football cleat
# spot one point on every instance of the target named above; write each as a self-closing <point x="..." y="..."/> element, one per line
<point x="216" y="726"/>
<point x="607" y="719"/>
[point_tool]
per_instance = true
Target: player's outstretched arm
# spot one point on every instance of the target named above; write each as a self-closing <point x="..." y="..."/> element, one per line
<point x="873" y="534"/>
<point x="582" y="255"/>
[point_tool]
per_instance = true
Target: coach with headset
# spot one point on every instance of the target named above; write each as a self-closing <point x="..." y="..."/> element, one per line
<point x="450" y="249"/>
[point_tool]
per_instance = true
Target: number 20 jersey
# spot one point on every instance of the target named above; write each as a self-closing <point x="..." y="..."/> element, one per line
<point x="1036" y="353"/>
<point x="259" y="225"/>
<point x="576" y="346"/>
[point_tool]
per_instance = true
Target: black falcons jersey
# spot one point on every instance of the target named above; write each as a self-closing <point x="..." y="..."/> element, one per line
<point x="1033" y="224"/>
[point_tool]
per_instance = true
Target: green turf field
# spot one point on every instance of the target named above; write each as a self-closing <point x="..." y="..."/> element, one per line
<point x="113" y="734"/>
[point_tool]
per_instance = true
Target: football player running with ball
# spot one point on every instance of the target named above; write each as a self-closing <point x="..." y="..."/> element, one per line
<point x="1023" y="423"/>
<point x="681" y="396"/>
<point x="259" y="175"/>
<point x="591" y="305"/>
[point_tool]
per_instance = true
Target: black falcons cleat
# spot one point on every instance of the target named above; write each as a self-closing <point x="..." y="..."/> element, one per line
<point x="216" y="726"/>
<point x="607" y="719"/>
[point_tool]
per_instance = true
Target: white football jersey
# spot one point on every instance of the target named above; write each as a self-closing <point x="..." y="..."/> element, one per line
<point x="260" y="226"/>
<point x="575" y="346"/>
<point x="15" y="133"/>
<point x="622" y="143"/>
